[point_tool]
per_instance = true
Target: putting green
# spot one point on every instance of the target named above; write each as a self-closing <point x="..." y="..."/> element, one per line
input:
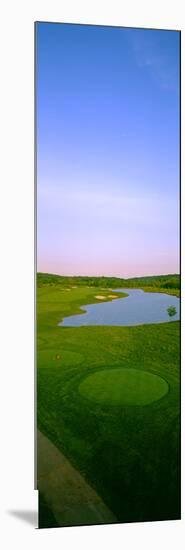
<point x="123" y="386"/>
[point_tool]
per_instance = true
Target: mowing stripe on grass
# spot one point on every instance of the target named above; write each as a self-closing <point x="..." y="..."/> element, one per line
<point x="123" y="386"/>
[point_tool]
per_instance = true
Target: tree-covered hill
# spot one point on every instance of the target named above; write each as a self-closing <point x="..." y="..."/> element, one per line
<point x="156" y="281"/>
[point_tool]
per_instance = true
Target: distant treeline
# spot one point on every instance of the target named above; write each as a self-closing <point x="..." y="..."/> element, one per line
<point x="157" y="281"/>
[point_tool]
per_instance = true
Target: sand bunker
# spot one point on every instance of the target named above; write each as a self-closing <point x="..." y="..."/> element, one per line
<point x="112" y="296"/>
<point x="100" y="297"/>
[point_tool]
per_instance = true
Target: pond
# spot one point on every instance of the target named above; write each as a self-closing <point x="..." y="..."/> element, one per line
<point x="137" y="308"/>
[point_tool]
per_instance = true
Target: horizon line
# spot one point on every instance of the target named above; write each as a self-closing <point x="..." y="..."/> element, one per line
<point x="108" y="276"/>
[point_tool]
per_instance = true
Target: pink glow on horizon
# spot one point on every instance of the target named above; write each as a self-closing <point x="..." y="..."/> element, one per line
<point x="108" y="181"/>
<point x="148" y="268"/>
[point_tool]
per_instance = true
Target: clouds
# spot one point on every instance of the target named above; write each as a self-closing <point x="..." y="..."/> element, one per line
<point x="157" y="52"/>
<point x="108" y="150"/>
<point x="129" y="210"/>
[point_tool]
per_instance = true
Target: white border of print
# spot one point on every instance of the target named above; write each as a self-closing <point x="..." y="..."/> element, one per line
<point x="18" y="500"/>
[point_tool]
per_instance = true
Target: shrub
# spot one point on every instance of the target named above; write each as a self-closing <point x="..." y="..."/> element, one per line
<point x="171" y="311"/>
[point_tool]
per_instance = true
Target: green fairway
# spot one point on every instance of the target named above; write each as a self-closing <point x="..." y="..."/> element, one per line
<point x="128" y="452"/>
<point x="123" y="387"/>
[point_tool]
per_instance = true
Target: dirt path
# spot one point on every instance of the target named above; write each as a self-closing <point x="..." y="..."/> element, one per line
<point x="71" y="499"/>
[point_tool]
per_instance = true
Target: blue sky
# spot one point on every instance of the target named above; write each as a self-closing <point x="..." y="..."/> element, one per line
<point x="107" y="150"/>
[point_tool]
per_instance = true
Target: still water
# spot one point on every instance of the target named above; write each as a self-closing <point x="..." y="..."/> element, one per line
<point x="137" y="308"/>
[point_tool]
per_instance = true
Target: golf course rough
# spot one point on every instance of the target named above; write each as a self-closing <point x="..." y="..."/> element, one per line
<point x="123" y="386"/>
<point x="129" y="455"/>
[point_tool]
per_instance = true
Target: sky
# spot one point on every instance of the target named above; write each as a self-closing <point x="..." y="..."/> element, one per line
<point x="107" y="150"/>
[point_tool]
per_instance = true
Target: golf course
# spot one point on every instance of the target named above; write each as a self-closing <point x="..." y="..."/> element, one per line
<point x="108" y="407"/>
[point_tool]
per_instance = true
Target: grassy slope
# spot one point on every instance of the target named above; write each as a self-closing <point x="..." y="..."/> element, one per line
<point x="130" y="455"/>
<point x="172" y="291"/>
<point x="170" y="284"/>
